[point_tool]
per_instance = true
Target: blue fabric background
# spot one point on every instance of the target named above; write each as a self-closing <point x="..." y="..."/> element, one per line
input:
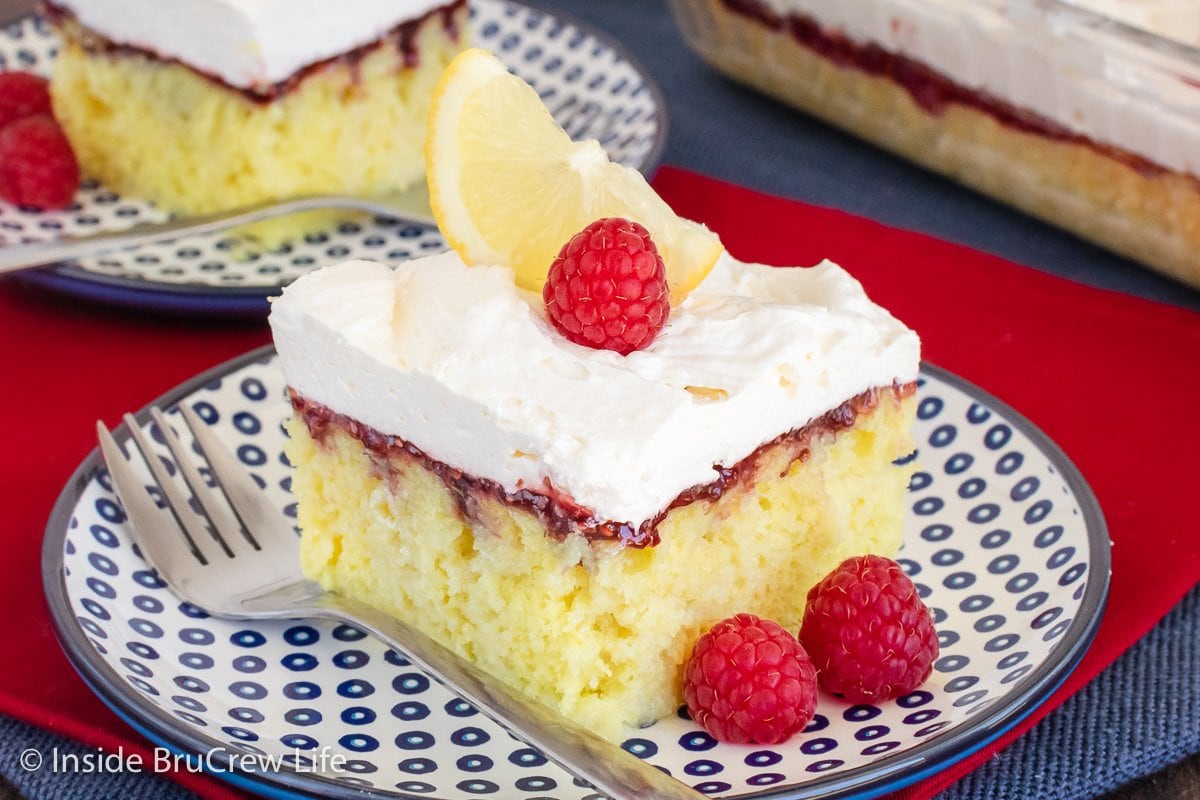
<point x="1140" y="714"/>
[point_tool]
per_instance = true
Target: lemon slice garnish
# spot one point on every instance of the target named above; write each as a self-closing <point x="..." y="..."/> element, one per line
<point x="508" y="186"/>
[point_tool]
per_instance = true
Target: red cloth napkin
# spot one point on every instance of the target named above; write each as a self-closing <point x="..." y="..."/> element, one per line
<point x="1112" y="379"/>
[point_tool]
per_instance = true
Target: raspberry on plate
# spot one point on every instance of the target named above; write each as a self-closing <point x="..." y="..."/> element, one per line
<point x="749" y="681"/>
<point x="607" y="289"/>
<point x="22" y="94"/>
<point x="868" y="632"/>
<point x="37" y="165"/>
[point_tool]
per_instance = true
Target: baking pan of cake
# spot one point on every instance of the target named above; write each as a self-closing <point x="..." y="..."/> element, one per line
<point x="1084" y="113"/>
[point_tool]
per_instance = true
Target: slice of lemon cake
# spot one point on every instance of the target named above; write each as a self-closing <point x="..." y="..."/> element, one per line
<point x="210" y="104"/>
<point x="567" y="467"/>
<point x="573" y="519"/>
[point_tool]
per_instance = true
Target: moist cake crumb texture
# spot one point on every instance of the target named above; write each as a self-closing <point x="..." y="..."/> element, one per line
<point x="156" y="128"/>
<point x="598" y="630"/>
<point x="572" y="519"/>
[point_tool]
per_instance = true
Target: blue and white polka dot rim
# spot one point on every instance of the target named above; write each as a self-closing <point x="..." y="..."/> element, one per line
<point x="595" y="88"/>
<point x="1004" y="541"/>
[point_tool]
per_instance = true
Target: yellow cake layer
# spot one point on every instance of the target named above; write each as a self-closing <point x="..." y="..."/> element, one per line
<point x="159" y="131"/>
<point x="1151" y="217"/>
<point x="599" y="631"/>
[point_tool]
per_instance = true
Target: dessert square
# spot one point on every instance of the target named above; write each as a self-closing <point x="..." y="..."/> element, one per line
<point x="215" y="104"/>
<point x="572" y="519"/>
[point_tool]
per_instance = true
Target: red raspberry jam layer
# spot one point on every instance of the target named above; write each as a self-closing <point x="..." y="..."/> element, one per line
<point x="555" y="508"/>
<point x="929" y="89"/>
<point x="403" y="37"/>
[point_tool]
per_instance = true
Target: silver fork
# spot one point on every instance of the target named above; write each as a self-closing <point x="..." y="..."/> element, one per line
<point x="412" y="206"/>
<point x="234" y="555"/>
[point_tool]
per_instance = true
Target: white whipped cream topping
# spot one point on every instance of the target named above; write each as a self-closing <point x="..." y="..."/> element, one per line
<point x="1073" y="68"/>
<point x="461" y="363"/>
<point x="1172" y="19"/>
<point x="246" y="43"/>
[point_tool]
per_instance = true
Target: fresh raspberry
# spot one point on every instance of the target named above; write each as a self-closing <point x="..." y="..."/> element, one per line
<point x="22" y="94"/>
<point x="37" y="166"/>
<point x="749" y="680"/>
<point x="868" y="631"/>
<point x="607" y="289"/>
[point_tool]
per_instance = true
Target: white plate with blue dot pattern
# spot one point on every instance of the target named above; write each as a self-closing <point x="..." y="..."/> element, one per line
<point x="595" y="88"/>
<point x="1003" y="538"/>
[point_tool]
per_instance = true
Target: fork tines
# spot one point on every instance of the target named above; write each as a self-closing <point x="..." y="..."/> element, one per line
<point x="215" y="516"/>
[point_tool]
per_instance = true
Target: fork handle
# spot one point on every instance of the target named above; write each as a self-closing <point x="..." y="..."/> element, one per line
<point x="610" y="769"/>
<point x="37" y="254"/>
